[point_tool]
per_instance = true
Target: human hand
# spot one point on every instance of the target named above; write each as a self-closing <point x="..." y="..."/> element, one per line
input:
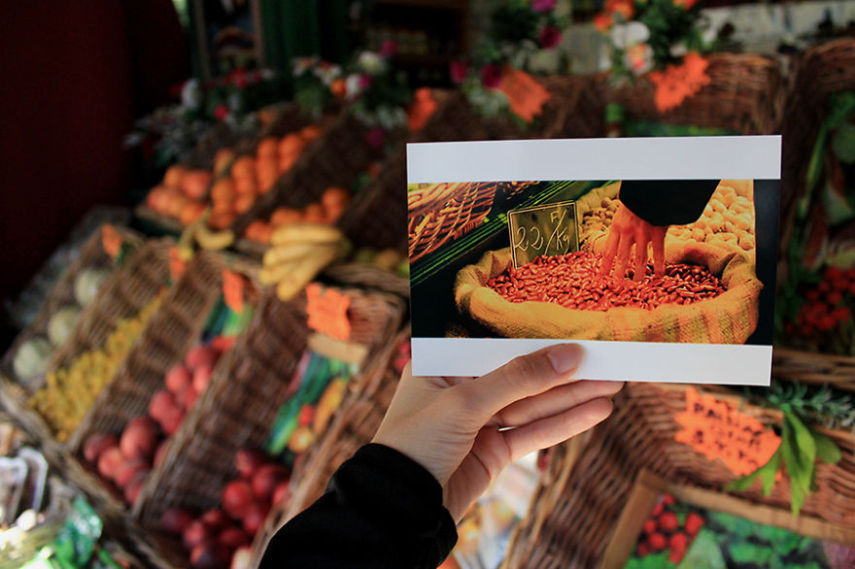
<point x="628" y="229"/>
<point x="456" y="427"/>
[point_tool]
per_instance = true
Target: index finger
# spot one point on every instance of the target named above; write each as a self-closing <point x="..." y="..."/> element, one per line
<point x="520" y="378"/>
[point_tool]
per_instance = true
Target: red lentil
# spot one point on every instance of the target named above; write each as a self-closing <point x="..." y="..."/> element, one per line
<point x="573" y="281"/>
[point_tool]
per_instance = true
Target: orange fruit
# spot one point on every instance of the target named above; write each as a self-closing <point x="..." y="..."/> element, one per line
<point x="258" y="231"/>
<point x="243" y="202"/>
<point x="155" y="198"/>
<point x="221" y="220"/>
<point x="243" y="167"/>
<point x="268" y="147"/>
<point x="246" y="186"/>
<point x="173" y="175"/>
<point x="332" y="214"/>
<point x="191" y="212"/>
<point x="222" y="159"/>
<point x="310" y="133"/>
<point x="285" y="215"/>
<point x="286" y="162"/>
<point x="291" y="144"/>
<point x="175" y="203"/>
<point x="314" y="213"/>
<point x="335" y="198"/>
<point x="223" y="191"/>
<point x="267" y="174"/>
<point x="195" y="183"/>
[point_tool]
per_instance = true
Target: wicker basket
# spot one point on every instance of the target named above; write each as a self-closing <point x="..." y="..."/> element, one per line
<point x="170" y="333"/>
<point x="286" y="118"/>
<point x="440" y="213"/>
<point x="335" y="159"/>
<point x="576" y="507"/>
<point x="91" y="255"/>
<point x="239" y="406"/>
<point x="352" y="426"/>
<point x="746" y="95"/>
<point x="131" y="287"/>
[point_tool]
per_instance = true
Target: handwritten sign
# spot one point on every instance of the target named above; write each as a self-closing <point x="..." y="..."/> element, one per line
<point x="327" y="311"/>
<point x="549" y="229"/>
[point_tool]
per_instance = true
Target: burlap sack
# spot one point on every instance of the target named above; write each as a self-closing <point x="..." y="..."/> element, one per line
<point x="727" y="319"/>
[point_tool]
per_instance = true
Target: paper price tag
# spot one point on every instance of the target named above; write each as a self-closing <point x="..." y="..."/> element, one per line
<point x="525" y="95"/>
<point x="111" y="241"/>
<point x="550" y="229"/>
<point x="327" y="311"/>
<point x="718" y="431"/>
<point x="233" y="290"/>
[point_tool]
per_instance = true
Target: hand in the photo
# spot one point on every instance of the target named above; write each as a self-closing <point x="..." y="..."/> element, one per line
<point x="628" y="229"/>
<point x="456" y="428"/>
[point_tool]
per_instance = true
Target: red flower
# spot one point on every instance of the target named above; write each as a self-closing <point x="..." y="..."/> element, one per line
<point x="549" y="37"/>
<point x="221" y="112"/>
<point x="458" y="70"/>
<point x="388" y="48"/>
<point x="542" y="5"/>
<point x="365" y="81"/>
<point x="238" y="77"/>
<point x="491" y="76"/>
<point x="376" y="137"/>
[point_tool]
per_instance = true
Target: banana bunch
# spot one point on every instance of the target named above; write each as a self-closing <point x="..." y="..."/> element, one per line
<point x="298" y="253"/>
<point x="207" y="238"/>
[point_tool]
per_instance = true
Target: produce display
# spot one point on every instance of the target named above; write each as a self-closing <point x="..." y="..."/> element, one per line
<point x="127" y="460"/>
<point x="69" y="392"/>
<point x="386" y="259"/>
<point x="682" y="536"/>
<point x="31" y="359"/>
<point x="332" y="204"/>
<point x="220" y="537"/>
<point x="298" y="253"/>
<point x="573" y="281"/>
<point x="233" y="186"/>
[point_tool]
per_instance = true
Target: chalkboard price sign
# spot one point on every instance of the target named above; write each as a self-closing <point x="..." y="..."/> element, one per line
<point x="550" y="229"/>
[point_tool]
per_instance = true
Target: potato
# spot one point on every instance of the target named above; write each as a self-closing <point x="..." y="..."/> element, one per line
<point x="97" y="443"/>
<point x="109" y="461"/>
<point x="201" y="356"/>
<point x="139" y="439"/>
<point x="128" y="469"/>
<point x="162" y="403"/>
<point x="178" y="378"/>
<point x="237" y="497"/>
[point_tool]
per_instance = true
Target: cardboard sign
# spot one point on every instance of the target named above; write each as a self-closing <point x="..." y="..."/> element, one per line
<point x="111" y="241"/>
<point x="327" y="311"/>
<point x="718" y="431"/>
<point x="233" y="285"/>
<point x="550" y="229"/>
<point x="525" y="95"/>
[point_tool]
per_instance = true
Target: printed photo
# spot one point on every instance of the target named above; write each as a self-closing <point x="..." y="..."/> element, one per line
<point x="620" y="261"/>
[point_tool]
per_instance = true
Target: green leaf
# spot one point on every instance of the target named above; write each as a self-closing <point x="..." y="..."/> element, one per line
<point x="799" y="450"/>
<point x="704" y="553"/>
<point x="769" y="470"/>
<point x="826" y="450"/>
<point x="843" y="143"/>
<point x="797" y="499"/>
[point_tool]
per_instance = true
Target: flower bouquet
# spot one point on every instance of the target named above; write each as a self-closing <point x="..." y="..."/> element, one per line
<point x="493" y="80"/>
<point x="661" y="39"/>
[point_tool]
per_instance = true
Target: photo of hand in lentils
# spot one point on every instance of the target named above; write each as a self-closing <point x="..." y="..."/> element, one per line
<point x="631" y="260"/>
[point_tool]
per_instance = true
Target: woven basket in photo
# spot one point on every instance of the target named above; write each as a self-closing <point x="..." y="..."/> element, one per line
<point x="573" y="514"/>
<point x="814" y="369"/>
<point x="91" y="255"/>
<point x="130" y="288"/>
<point x="239" y="407"/>
<point x="368" y="276"/>
<point x="172" y="331"/>
<point x="440" y="213"/>
<point x="352" y="426"/>
<point x="745" y="95"/>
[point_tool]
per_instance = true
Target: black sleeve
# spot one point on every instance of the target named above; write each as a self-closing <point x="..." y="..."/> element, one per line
<point x="667" y="202"/>
<point x="381" y="509"/>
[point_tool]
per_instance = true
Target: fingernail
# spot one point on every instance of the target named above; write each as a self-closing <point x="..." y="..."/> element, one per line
<point x="564" y="357"/>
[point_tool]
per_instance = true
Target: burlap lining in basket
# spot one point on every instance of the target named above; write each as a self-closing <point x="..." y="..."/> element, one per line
<point x="727" y="319"/>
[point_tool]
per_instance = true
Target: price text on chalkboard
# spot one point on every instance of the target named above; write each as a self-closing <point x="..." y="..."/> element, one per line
<point x="550" y="229"/>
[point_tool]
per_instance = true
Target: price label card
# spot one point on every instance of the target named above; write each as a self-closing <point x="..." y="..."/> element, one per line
<point x="543" y="230"/>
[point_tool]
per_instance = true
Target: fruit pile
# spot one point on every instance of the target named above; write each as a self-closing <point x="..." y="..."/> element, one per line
<point x="671" y="527"/>
<point x="220" y="537"/>
<point x="326" y="211"/>
<point x="127" y="461"/>
<point x="237" y="181"/>
<point x="573" y="281"/>
<point x="31" y="358"/>
<point x="828" y="306"/>
<point x="69" y="392"/>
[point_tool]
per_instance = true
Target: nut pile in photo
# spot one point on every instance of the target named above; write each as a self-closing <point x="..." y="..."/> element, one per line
<point x="573" y="281"/>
